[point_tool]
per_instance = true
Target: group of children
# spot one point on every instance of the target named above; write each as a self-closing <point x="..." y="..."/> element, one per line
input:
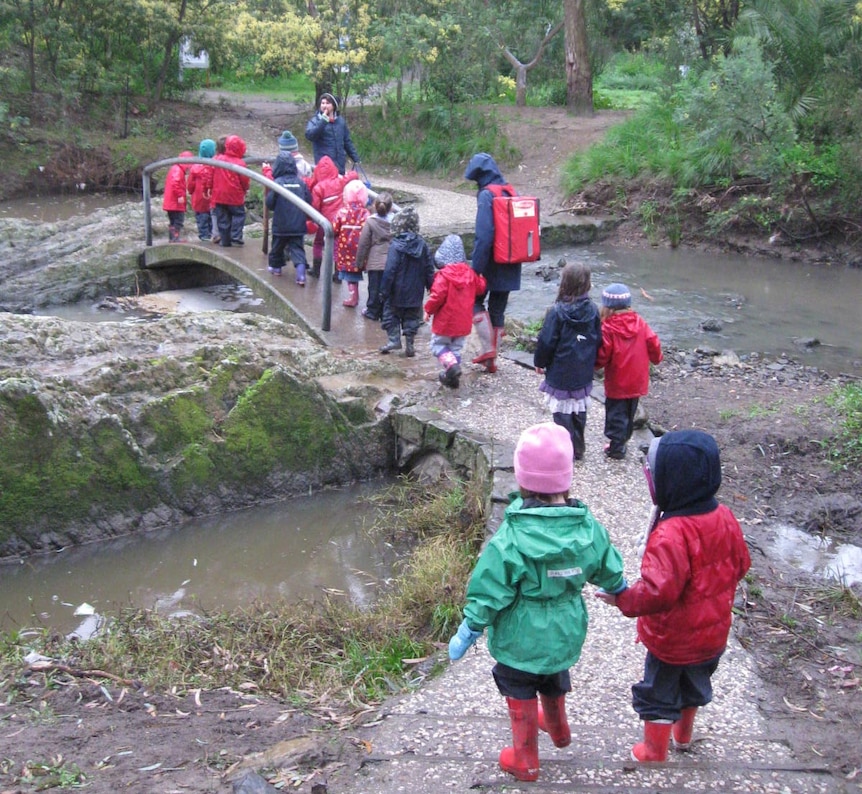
<point x="526" y="589"/>
<point x="217" y="194"/>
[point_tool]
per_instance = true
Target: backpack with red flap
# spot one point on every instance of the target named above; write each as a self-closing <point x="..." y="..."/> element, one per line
<point x="516" y="226"/>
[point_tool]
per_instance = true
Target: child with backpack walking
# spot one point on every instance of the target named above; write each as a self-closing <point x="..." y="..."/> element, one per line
<point x="694" y="557"/>
<point x="453" y="293"/>
<point x="628" y="348"/>
<point x="409" y="272"/>
<point x="347" y="228"/>
<point x="566" y="353"/>
<point x="201" y="190"/>
<point x="288" y="220"/>
<point x="174" y="199"/>
<point x="371" y="254"/>
<point x="526" y="590"/>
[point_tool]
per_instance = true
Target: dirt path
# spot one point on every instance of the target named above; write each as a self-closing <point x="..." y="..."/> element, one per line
<point x="546" y="137"/>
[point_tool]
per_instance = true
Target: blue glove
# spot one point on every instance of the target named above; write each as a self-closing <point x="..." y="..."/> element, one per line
<point x="463" y="639"/>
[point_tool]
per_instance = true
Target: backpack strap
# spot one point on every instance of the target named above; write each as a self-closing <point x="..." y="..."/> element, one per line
<point x="501" y="190"/>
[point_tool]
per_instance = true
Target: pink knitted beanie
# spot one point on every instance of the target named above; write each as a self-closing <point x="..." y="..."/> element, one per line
<point x="543" y="459"/>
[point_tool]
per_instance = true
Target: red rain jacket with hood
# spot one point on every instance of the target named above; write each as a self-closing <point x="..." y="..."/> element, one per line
<point x="453" y="294"/>
<point x="174" y="199"/>
<point x="327" y="188"/>
<point x="229" y="187"/>
<point x="694" y="557"/>
<point x="628" y="346"/>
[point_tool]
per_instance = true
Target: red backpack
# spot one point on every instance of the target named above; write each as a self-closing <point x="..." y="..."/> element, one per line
<point x="516" y="226"/>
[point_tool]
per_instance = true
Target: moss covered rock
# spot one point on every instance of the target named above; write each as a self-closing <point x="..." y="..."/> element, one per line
<point x="116" y="427"/>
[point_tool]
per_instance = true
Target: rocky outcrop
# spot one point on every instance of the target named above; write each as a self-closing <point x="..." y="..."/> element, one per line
<point x="110" y="428"/>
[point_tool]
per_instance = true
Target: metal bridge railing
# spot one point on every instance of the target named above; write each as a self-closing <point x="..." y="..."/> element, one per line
<point x="311" y="212"/>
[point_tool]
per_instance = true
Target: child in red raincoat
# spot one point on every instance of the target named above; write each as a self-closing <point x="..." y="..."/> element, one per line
<point x="201" y="191"/>
<point x="229" y="190"/>
<point x="347" y="228"/>
<point x="174" y="200"/>
<point x="327" y="196"/>
<point x="695" y="556"/>
<point x="628" y="347"/>
<point x="455" y="289"/>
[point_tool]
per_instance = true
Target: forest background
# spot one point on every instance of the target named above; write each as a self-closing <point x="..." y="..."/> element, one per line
<point x="746" y="113"/>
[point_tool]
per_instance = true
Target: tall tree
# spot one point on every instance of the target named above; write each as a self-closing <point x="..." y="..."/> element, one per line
<point x="579" y="76"/>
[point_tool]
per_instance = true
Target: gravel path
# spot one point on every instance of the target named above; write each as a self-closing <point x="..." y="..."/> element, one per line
<point x="446" y="735"/>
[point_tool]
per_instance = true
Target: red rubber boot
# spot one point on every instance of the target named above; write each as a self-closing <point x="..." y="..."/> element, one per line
<point x="353" y="295"/>
<point x="522" y="758"/>
<point x="552" y="719"/>
<point x="653" y="749"/>
<point x="683" y="729"/>
<point x="491" y="363"/>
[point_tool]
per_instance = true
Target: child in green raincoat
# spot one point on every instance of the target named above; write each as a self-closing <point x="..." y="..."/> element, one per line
<point x="526" y="590"/>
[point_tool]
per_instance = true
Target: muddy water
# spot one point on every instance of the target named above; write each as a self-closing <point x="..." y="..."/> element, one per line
<point x="822" y="556"/>
<point x="291" y="550"/>
<point x="763" y="305"/>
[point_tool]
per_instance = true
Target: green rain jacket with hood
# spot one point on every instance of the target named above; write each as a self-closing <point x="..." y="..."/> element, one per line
<point x="526" y="588"/>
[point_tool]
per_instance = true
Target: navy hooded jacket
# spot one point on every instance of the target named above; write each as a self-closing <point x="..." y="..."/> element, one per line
<point x="287" y="218"/>
<point x="483" y="170"/>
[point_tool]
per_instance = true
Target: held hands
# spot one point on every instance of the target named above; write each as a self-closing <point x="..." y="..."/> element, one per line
<point x="610" y="596"/>
<point x="463" y="639"/>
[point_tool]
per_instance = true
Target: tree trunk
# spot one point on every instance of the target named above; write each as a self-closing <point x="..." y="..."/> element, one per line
<point x="521" y="69"/>
<point x="521" y="86"/>
<point x="167" y="61"/>
<point x="579" y="76"/>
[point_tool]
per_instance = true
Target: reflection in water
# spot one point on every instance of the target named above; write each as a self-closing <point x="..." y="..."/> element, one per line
<point x="840" y="562"/>
<point x="291" y="550"/>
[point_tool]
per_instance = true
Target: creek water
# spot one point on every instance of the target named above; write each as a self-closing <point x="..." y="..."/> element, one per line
<point x="294" y="550"/>
<point x="762" y="305"/>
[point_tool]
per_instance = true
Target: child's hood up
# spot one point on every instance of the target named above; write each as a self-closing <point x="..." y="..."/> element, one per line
<point x="686" y="472"/>
<point x="284" y="166"/>
<point x="325" y="169"/>
<point x="234" y="146"/>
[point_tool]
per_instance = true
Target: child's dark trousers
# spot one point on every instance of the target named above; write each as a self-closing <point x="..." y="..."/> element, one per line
<point x="667" y="689"/>
<point x="517" y="684"/>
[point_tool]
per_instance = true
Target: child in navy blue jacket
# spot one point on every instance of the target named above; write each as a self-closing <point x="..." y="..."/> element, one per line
<point x="566" y="353"/>
<point x="288" y="220"/>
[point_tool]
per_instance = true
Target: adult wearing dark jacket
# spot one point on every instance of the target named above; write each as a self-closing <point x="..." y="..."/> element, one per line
<point x="288" y="220"/>
<point x="409" y="272"/>
<point x="329" y="134"/>
<point x="502" y="279"/>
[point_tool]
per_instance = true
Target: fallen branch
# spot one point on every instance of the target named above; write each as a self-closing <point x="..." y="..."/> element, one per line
<point x="43" y="666"/>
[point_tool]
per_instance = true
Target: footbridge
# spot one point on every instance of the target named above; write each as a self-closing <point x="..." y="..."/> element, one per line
<point x="248" y="263"/>
<point x="311" y="306"/>
<point x="441" y="212"/>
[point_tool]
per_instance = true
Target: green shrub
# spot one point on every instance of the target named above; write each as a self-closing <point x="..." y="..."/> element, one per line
<point x="847" y="401"/>
<point x="428" y="137"/>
